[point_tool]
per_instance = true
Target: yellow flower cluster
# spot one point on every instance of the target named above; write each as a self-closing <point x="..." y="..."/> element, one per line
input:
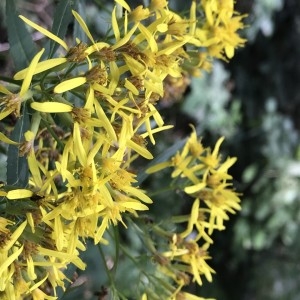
<point x="92" y="112"/>
<point x="202" y="175"/>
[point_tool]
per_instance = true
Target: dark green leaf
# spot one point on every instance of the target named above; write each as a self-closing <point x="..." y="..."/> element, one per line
<point x="17" y="167"/>
<point x="18" y="208"/>
<point x="22" y="47"/>
<point x="61" y="20"/>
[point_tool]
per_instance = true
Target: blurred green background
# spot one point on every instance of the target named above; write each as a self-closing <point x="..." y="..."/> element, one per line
<point x="254" y="101"/>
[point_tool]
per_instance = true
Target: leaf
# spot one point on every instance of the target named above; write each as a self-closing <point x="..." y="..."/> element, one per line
<point x="61" y="20"/>
<point x="22" y="47"/>
<point x="17" y="167"/>
<point x="3" y="166"/>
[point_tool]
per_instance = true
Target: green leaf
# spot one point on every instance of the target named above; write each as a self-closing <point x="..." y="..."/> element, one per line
<point x="17" y="167"/>
<point x="22" y="48"/>
<point x="61" y="20"/>
<point x="3" y="167"/>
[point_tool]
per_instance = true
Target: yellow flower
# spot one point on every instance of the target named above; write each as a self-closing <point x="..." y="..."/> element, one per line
<point x="191" y="258"/>
<point x="11" y="103"/>
<point x="220" y="201"/>
<point x="3" y="224"/>
<point x="197" y="219"/>
<point x="223" y="27"/>
<point x="76" y="54"/>
<point x="158" y="4"/>
<point x="139" y="13"/>
<point x="212" y="159"/>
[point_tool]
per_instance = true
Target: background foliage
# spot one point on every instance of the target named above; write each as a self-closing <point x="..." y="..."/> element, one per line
<point x="255" y="102"/>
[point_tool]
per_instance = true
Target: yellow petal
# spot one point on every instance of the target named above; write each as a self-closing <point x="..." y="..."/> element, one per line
<point x="83" y="25"/>
<point x="115" y="75"/>
<point x="6" y="140"/>
<point x="19" y="194"/>
<point x="9" y="260"/>
<point x="126" y="38"/>
<point x="14" y="237"/>
<point x="41" y="67"/>
<point x="173" y="46"/>
<point x="139" y="149"/>
<point x="138" y="193"/>
<point x="125" y="22"/>
<point x="157" y="117"/>
<point x="39" y="283"/>
<point x="30" y="73"/>
<point x="70" y="84"/>
<point x="129" y="86"/>
<point x="158" y="167"/>
<point x="136" y="68"/>
<point x="54" y="253"/>
<point x="135" y="205"/>
<point x="34" y="169"/>
<point x="4" y="90"/>
<point x="100" y="88"/>
<point x="51" y="107"/>
<point x="146" y="34"/>
<point x="162" y="28"/>
<point x="3" y="194"/>
<point x="158" y="129"/>
<point x="78" y="146"/>
<point x="217" y="146"/>
<point x="30" y="221"/>
<point x="107" y="125"/>
<point x="96" y="47"/>
<point x="195" y="188"/>
<point x="193" y="18"/>
<point x="229" y="50"/>
<point x="30" y="268"/>
<point x="29" y="135"/>
<point x="45" y="32"/>
<point x="114" y="23"/>
<point x="123" y="4"/>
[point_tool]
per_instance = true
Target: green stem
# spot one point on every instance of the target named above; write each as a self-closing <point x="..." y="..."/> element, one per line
<point x="54" y="135"/>
<point x="109" y="276"/>
<point x="117" y="245"/>
<point x="163" y="190"/>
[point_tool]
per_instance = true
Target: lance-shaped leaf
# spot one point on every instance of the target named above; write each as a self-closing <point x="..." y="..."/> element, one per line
<point x="22" y="47"/>
<point x="61" y="20"/>
<point x="17" y="167"/>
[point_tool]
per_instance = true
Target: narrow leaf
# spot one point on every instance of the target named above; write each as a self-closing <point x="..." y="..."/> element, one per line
<point x="17" y="167"/>
<point x="22" y="47"/>
<point x="61" y="20"/>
